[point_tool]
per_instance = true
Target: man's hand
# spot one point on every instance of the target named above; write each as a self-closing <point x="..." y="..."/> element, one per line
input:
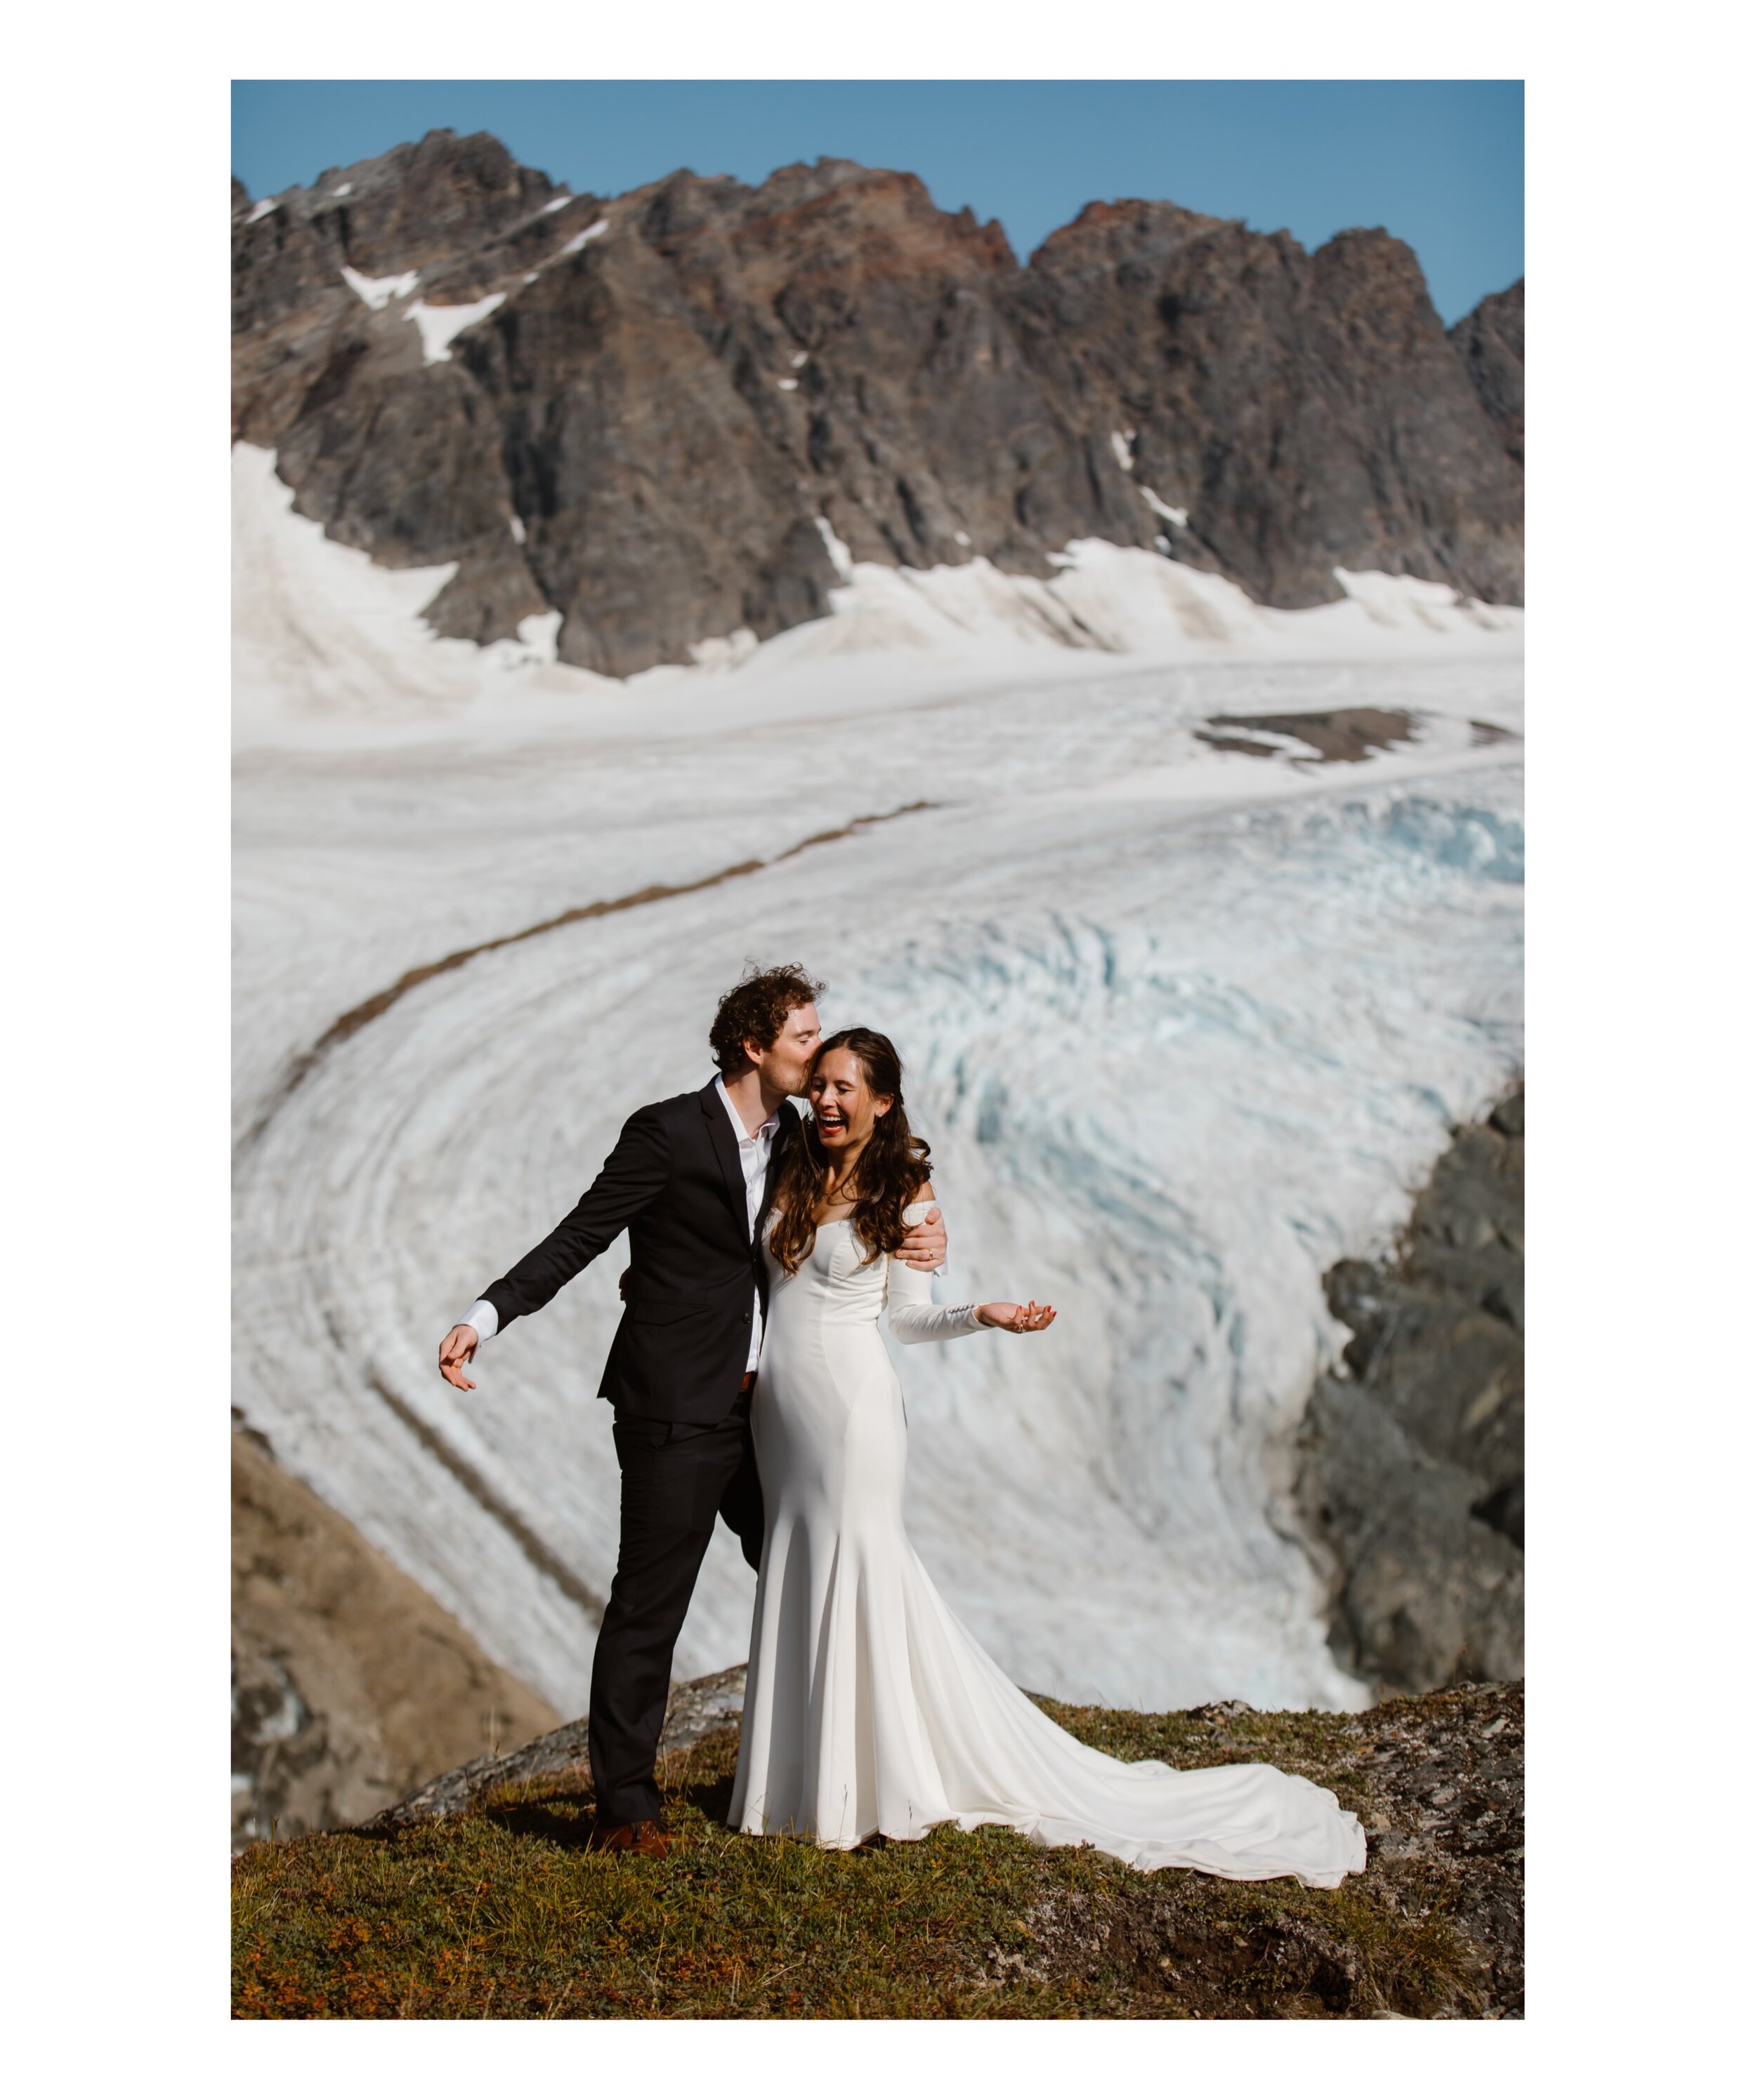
<point x="923" y="1244"/>
<point x="455" y="1352"/>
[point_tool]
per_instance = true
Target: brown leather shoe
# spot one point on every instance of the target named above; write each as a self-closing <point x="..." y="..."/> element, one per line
<point x="648" y="1839"/>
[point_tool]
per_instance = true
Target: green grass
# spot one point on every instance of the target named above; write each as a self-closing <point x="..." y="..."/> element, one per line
<point x="503" y="1914"/>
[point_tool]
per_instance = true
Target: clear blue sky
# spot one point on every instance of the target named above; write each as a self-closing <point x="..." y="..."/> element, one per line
<point x="1440" y="163"/>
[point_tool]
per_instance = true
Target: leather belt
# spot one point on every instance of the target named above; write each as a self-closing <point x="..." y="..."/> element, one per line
<point x="748" y="1384"/>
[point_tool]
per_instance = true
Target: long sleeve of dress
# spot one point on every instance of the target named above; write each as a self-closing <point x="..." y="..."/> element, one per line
<point x="908" y="1299"/>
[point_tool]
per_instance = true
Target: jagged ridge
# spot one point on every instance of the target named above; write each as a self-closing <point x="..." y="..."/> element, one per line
<point x="671" y="388"/>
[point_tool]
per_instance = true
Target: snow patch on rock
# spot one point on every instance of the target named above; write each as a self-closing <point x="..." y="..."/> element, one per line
<point x="726" y="652"/>
<point x="1167" y="510"/>
<point x="378" y="292"/>
<point x="837" y="549"/>
<point x="440" y="326"/>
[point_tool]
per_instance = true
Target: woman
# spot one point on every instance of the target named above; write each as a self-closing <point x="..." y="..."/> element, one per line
<point x="869" y="1707"/>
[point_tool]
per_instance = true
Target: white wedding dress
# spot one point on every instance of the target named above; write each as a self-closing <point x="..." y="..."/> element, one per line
<point x="867" y="1707"/>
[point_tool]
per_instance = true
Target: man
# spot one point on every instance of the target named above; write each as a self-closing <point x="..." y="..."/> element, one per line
<point x="689" y="1179"/>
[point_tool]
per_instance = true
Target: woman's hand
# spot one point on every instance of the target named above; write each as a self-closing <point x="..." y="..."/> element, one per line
<point x="455" y="1352"/>
<point x="1029" y="1319"/>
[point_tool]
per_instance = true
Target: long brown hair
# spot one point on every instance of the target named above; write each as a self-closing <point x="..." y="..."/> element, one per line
<point x="888" y="1175"/>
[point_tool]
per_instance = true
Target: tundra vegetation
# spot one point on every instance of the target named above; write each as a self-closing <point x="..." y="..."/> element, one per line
<point x="501" y="1913"/>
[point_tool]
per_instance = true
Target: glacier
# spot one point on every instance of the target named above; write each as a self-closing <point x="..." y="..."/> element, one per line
<point x="1184" y="1026"/>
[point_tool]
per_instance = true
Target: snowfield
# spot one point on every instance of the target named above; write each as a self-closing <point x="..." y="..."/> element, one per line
<point x="1184" y="1026"/>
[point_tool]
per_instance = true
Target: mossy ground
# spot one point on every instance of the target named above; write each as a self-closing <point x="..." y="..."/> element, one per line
<point x="502" y="1913"/>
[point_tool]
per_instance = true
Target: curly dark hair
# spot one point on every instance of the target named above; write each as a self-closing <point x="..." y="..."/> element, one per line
<point x="755" y="1010"/>
<point x="888" y="1175"/>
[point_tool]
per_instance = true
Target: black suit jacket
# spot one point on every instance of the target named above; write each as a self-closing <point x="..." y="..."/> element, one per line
<point x="675" y="1182"/>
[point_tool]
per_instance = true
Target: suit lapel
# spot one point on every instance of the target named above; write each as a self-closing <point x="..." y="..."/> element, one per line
<point x="726" y="1151"/>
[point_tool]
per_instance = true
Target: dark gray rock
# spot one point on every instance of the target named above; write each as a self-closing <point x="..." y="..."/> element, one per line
<point x="644" y="432"/>
<point x="563" y="1749"/>
<point x="1490" y="339"/>
<point x="1431" y="1593"/>
<point x="1505" y="1301"/>
<point x="1504" y="1509"/>
<point x="1306" y="410"/>
<point x="1413" y="1466"/>
<point x="695" y="1710"/>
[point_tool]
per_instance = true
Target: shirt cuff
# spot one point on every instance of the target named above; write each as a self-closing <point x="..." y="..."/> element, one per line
<point x="484" y="1318"/>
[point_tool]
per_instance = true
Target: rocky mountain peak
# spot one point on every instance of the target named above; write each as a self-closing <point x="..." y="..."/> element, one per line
<point x="1110" y="235"/>
<point x="834" y="216"/>
<point x="636" y="411"/>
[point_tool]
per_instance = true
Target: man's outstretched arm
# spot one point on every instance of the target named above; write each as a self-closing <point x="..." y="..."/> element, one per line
<point x="633" y="1174"/>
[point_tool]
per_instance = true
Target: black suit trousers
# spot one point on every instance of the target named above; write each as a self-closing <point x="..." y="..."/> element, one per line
<point x="678" y="1478"/>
